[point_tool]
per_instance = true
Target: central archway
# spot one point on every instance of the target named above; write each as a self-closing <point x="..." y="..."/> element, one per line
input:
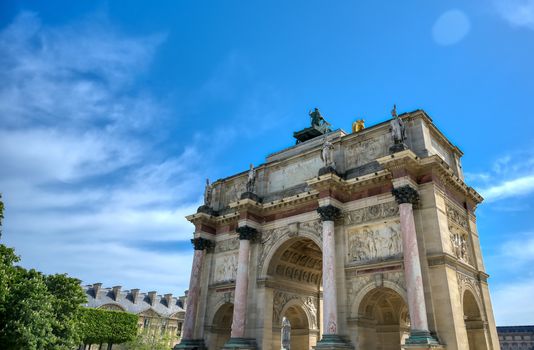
<point x="295" y="274"/>
<point x="384" y="322"/>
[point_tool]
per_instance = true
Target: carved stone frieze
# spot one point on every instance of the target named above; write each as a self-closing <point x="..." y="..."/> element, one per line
<point x="460" y="244"/>
<point x="227" y="245"/>
<point x="377" y="242"/>
<point x="225" y="268"/>
<point x="373" y="212"/>
<point x="457" y="217"/>
<point x="281" y="298"/>
<point x="366" y="151"/>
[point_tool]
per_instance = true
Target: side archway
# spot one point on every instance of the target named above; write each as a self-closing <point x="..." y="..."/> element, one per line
<point x="383" y="319"/>
<point x="474" y="323"/>
<point x="221" y="326"/>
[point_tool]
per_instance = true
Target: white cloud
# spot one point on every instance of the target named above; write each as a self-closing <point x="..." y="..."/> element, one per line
<point x="510" y="176"/>
<point x="518" y="13"/>
<point x="521" y="186"/>
<point x="82" y="188"/>
<point x="512" y="303"/>
<point x="451" y="27"/>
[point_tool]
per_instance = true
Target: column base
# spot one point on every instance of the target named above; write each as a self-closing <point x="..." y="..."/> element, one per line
<point x="240" y="343"/>
<point x="333" y="342"/>
<point x="421" y="340"/>
<point x="190" y="344"/>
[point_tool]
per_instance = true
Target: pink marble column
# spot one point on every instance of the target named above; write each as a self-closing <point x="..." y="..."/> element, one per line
<point x="406" y="196"/>
<point x="412" y="269"/>
<point x="241" y="286"/>
<point x="329" y="279"/>
<point x="328" y="214"/>
<point x="241" y="283"/>
<point x="200" y="244"/>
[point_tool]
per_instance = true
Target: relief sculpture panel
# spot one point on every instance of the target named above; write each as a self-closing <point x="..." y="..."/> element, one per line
<point x="373" y="212"/>
<point x="367" y="151"/>
<point x="377" y="242"/>
<point x="225" y="268"/>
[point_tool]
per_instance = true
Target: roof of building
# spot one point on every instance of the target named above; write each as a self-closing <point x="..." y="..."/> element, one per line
<point x="132" y="300"/>
<point x="515" y="329"/>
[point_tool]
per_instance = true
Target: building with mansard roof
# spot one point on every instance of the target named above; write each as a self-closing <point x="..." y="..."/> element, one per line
<point x="163" y="314"/>
<point x="516" y="337"/>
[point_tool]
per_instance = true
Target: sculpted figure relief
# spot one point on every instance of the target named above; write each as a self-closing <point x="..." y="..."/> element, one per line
<point x="207" y="193"/>
<point x="251" y="179"/>
<point x="226" y="268"/>
<point x="327" y="154"/>
<point x="398" y="130"/>
<point x="370" y="243"/>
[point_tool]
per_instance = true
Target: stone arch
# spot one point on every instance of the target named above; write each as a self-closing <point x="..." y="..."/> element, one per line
<point x="284" y="239"/>
<point x="294" y="271"/>
<point x="354" y="306"/>
<point x="300" y="304"/>
<point x="296" y="313"/>
<point x="382" y="316"/>
<point x="221" y="325"/>
<point x="474" y="322"/>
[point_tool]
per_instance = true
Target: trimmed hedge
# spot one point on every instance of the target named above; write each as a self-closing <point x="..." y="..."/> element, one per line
<point x="106" y="326"/>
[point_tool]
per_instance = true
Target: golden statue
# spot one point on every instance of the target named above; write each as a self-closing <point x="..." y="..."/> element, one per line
<point x="358" y="125"/>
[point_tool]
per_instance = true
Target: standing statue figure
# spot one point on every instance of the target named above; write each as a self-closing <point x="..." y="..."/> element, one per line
<point x="398" y="130"/>
<point x="327" y="154"/>
<point x="286" y="334"/>
<point x="207" y="193"/>
<point x="251" y="179"/>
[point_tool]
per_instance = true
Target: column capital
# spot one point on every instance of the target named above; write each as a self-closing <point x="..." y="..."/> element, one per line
<point x="329" y="212"/>
<point x="405" y="194"/>
<point x="247" y="232"/>
<point x="200" y="243"/>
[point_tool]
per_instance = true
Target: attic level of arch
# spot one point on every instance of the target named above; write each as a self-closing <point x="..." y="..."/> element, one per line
<point x="405" y="164"/>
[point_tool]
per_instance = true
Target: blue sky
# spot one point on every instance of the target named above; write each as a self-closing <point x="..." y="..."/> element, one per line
<point x="112" y="114"/>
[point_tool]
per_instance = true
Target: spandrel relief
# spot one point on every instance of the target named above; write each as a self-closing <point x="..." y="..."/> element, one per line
<point x="225" y="268"/>
<point x="377" y="242"/>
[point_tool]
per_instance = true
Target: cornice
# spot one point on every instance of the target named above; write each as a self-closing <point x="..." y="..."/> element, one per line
<point x="413" y="164"/>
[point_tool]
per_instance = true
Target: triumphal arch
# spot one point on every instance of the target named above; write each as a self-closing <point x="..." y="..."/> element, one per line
<point x="363" y="240"/>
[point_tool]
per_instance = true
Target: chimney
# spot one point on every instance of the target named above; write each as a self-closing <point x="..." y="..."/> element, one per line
<point x="135" y="293"/>
<point x="116" y="293"/>
<point x="152" y="297"/>
<point x="168" y="299"/>
<point x="96" y="289"/>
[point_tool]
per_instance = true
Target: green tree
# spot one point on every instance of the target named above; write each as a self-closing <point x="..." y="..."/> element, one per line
<point x="108" y="327"/>
<point x="37" y="311"/>
<point x="66" y="298"/>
